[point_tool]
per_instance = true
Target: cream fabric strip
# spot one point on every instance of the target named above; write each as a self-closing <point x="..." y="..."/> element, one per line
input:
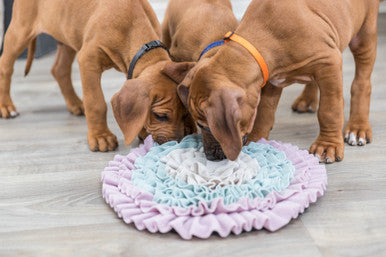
<point x="191" y="166"/>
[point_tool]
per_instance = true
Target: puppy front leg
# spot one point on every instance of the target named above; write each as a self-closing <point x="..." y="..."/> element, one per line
<point x="265" y="117"/>
<point x="61" y="70"/>
<point x="329" y="146"/>
<point x="99" y="136"/>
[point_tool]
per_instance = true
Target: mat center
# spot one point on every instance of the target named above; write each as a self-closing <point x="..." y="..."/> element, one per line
<point x="191" y="166"/>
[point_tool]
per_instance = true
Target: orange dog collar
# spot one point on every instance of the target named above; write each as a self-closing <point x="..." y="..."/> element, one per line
<point x="255" y="53"/>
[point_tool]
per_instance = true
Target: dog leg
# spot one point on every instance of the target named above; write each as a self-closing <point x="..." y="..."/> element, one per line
<point x="99" y="135"/>
<point x="265" y="117"/>
<point x="363" y="46"/>
<point x="15" y="41"/>
<point x="329" y="146"/>
<point x="61" y="70"/>
<point x="308" y="100"/>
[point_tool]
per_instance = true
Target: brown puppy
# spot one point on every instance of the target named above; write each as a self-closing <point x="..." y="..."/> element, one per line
<point x="106" y="35"/>
<point x="190" y="26"/>
<point x="211" y="19"/>
<point x="301" y="41"/>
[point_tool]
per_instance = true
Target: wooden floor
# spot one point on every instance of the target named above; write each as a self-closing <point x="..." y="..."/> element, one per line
<point x="50" y="188"/>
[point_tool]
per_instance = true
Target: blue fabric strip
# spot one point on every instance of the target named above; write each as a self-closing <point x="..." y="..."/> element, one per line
<point x="214" y="44"/>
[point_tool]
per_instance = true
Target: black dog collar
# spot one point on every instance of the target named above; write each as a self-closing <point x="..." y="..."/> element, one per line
<point x="145" y="48"/>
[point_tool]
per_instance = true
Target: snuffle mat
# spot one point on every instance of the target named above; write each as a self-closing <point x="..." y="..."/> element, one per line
<point x="173" y="187"/>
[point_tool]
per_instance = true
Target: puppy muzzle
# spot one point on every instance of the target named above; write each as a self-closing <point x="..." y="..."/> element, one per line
<point x="212" y="147"/>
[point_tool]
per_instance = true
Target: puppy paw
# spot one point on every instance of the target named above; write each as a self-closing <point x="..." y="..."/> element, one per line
<point x="102" y="142"/>
<point x="8" y="111"/>
<point x="327" y="152"/>
<point x="256" y="136"/>
<point x="304" y="104"/>
<point x="76" y="107"/>
<point x="358" y="133"/>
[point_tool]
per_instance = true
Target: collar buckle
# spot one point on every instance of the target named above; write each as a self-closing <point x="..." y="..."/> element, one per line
<point x="228" y="35"/>
<point x="151" y="45"/>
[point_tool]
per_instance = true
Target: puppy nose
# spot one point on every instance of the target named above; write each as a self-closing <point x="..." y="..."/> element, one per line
<point x="214" y="154"/>
<point x="161" y="139"/>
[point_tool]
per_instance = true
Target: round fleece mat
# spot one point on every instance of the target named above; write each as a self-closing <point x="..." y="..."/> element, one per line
<point x="174" y="187"/>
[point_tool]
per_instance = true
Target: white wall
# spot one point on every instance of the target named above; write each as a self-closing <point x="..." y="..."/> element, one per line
<point x="382" y="8"/>
<point x="239" y="7"/>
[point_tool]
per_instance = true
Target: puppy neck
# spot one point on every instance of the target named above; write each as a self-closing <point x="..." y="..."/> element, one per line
<point x="238" y="65"/>
<point x="150" y="59"/>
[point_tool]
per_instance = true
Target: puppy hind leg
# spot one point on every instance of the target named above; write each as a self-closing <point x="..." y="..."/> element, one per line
<point x="61" y="70"/>
<point x="16" y="40"/>
<point x="364" y="47"/>
<point x="308" y="100"/>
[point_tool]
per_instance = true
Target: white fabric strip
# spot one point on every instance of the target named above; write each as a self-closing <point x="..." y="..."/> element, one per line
<point x="191" y="166"/>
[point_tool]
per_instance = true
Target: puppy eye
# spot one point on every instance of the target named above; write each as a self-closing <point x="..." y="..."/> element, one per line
<point x="161" y="117"/>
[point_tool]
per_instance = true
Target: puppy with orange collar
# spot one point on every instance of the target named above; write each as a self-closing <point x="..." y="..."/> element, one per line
<point x="105" y="35"/>
<point x="277" y="44"/>
<point x="190" y="26"/>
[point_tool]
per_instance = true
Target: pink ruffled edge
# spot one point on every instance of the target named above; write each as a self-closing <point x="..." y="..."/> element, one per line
<point x="135" y="205"/>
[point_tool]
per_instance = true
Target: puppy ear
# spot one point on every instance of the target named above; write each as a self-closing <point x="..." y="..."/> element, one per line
<point x="131" y="106"/>
<point x="224" y="115"/>
<point x="177" y="71"/>
<point x="183" y="93"/>
<point x="184" y="86"/>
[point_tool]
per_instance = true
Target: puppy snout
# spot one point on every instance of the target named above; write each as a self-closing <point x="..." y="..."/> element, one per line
<point x="212" y="148"/>
<point x="214" y="154"/>
<point x="160" y="139"/>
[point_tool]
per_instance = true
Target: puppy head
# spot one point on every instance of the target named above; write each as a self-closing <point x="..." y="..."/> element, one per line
<point x="225" y="110"/>
<point x="149" y="105"/>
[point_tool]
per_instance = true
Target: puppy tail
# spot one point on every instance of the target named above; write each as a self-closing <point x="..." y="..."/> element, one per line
<point x="30" y="57"/>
